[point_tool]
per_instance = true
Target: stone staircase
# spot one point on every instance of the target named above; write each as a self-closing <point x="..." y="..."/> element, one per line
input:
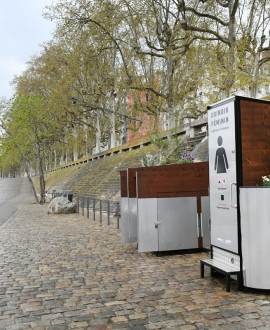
<point x="98" y="177"/>
<point x="191" y="143"/>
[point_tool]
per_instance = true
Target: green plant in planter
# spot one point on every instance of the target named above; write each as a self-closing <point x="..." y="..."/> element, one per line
<point x="266" y="180"/>
<point x="148" y="160"/>
<point x="185" y="158"/>
<point x="163" y="162"/>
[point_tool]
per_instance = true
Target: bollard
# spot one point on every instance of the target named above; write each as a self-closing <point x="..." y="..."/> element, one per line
<point x="78" y="204"/>
<point x="87" y="206"/>
<point x="108" y="212"/>
<point x="82" y="205"/>
<point x="100" y="211"/>
<point x="94" y="209"/>
<point x="118" y="214"/>
<point x="117" y="221"/>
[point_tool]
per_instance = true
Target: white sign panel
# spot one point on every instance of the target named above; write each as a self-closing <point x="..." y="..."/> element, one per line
<point x="222" y="174"/>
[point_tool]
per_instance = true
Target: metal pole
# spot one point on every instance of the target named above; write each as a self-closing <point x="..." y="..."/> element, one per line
<point x="118" y="215"/>
<point x="108" y="213"/>
<point x="78" y="204"/>
<point x="100" y="211"/>
<point x="94" y="209"/>
<point x="83" y="205"/>
<point x="87" y="206"/>
<point x="117" y="221"/>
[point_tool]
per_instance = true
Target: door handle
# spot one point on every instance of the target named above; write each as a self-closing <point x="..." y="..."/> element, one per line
<point x="156" y="223"/>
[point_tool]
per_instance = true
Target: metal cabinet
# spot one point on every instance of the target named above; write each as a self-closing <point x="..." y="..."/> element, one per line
<point x="255" y="215"/>
<point x="166" y="208"/>
<point x="124" y="219"/>
<point x="166" y="224"/>
<point x="205" y="218"/>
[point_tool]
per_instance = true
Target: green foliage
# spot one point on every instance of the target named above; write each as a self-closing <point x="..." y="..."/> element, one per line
<point x="29" y="129"/>
<point x="163" y="162"/>
<point x="148" y="160"/>
<point x="185" y="158"/>
<point x="160" y="142"/>
<point x="266" y="180"/>
<point x="135" y="58"/>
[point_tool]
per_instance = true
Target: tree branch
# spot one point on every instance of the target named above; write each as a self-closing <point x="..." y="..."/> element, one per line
<point x="194" y="11"/>
<point x="187" y="27"/>
<point x="90" y="20"/>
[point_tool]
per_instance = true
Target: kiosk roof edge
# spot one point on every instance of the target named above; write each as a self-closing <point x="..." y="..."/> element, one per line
<point x="234" y="97"/>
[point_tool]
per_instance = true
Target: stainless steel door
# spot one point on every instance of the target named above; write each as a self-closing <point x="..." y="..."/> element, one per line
<point x="124" y="219"/>
<point x="255" y="232"/>
<point x="129" y="219"/>
<point x="205" y="206"/>
<point x="147" y="228"/>
<point x="177" y="223"/>
<point x="132" y="221"/>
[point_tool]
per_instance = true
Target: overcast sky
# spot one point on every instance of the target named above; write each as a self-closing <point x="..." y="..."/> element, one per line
<point x="22" y="31"/>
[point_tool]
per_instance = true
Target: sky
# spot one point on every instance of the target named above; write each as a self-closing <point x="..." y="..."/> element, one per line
<point x="22" y="31"/>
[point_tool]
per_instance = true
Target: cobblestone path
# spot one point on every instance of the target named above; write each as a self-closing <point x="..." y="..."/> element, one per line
<point x="69" y="272"/>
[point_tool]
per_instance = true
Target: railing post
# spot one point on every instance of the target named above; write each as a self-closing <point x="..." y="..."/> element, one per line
<point x="118" y="215"/>
<point x="108" y="213"/>
<point x="78" y="204"/>
<point x="83" y="205"/>
<point x="87" y="206"/>
<point x="100" y="211"/>
<point x="117" y="226"/>
<point x="94" y="209"/>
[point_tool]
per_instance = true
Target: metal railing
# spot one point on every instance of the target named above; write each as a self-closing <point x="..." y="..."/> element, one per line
<point x="98" y="207"/>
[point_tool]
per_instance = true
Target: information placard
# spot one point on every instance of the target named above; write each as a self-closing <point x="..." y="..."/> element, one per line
<point x="222" y="175"/>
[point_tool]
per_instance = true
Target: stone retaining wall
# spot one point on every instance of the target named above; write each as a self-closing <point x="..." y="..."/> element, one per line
<point x="99" y="178"/>
<point x="98" y="175"/>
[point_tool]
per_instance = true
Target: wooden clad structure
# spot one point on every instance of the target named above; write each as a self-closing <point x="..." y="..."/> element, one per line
<point x="132" y="182"/>
<point x="177" y="180"/>
<point x="123" y="184"/>
<point x="255" y="140"/>
<point x="168" y="207"/>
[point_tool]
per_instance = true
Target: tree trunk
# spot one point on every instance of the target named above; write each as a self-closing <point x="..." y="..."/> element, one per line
<point x="27" y="170"/>
<point x="41" y="181"/>
<point x="231" y="65"/>
<point x="112" y="124"/>
<point x="124" y="137"/>
<point x="98" y="135"/>
<point x="170" y="90"/>
<point x="32" y="185"/>
<point x="55" y="159"/>
<point x="255" y="76"/>
<point x="41" y="173"/>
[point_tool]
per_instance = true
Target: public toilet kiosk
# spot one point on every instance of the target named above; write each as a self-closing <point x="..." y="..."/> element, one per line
<point x="166" y="208"/>
<point x="239" y="155"/>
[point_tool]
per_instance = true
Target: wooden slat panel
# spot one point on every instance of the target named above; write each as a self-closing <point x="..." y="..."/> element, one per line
<point x="123" y="183"/>
<point x="169" y="179"/>
<point x="132" y="182"/>
<point x="255" y="135"/>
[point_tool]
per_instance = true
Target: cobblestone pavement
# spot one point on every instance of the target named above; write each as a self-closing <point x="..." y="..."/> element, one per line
<point x="69" y="272"/>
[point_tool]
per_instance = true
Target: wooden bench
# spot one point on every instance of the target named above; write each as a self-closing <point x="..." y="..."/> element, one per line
<point x="223" y="269"/>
